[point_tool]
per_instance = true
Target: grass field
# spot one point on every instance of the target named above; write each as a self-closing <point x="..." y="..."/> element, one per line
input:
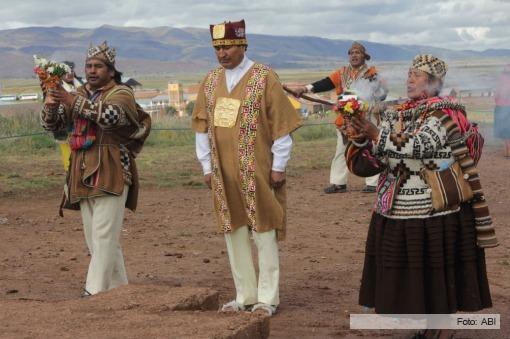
<point x="25" y="169"/>
<point x="32" y="164"/>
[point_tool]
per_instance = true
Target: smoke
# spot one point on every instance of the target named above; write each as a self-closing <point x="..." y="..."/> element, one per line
<point x="503" y="103"/>
<point x="472" y="74"/>
<point x="367" y="90"/>
<point x="474" y="81"/>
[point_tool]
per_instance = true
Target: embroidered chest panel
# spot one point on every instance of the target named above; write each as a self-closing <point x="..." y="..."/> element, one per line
<point x="249" y="116"/>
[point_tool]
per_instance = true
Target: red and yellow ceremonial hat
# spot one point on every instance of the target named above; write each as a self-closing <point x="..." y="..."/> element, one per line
<point x="228" y="33"/>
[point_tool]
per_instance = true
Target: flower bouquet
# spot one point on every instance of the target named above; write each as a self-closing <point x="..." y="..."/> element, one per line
<point x="348" y="106"/>
<point x="49" y="73"/>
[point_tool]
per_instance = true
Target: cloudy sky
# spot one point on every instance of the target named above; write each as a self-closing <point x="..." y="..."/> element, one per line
<point x="454" y="24"/>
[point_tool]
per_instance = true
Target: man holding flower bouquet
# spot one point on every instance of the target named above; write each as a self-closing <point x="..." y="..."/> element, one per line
<point x="367" y="84"/>
<point x="108" y="131"/>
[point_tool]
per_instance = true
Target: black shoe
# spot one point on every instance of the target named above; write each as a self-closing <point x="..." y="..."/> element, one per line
<point x="335" y="189"/>
<point x="85" y="293"/>
<point x="368" y="189"/>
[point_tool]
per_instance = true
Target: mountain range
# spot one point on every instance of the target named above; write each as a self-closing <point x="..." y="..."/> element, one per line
<point x="169" y="50"/>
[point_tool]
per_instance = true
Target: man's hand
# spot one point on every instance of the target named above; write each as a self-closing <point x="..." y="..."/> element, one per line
<point x="300" y="91"/>
<point x="277" y="179"/>
<point x="61" y="95"/>
<point x="207" y="180"/>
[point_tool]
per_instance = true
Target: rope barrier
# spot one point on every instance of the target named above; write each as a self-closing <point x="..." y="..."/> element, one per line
<point x="153" y="129"/>
<point x="22" y="135"/>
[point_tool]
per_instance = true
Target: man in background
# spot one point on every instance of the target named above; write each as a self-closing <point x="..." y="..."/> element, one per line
<point x="364" y="81"/>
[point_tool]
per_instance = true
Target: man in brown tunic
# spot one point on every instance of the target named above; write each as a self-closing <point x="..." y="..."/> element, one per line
<point x="108" y="131"/>
<point x="243" y="121"/>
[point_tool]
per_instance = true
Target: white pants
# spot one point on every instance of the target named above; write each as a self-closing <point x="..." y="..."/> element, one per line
<point x="243" y="270"/>
<point x="102" y="223"/>
<point x="338" y="173"/>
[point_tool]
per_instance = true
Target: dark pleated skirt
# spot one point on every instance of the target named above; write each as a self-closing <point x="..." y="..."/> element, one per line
<point x="424" y="266"/>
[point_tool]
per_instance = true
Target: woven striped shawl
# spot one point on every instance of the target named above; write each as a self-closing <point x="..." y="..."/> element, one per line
<point x="485" y="232"/>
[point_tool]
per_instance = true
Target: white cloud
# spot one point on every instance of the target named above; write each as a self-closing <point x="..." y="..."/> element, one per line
<point x="472" y="33"/>
<point x="457" y="24"/>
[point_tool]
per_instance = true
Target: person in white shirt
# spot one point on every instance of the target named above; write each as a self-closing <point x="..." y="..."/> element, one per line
<point x="70" y="81"/>
<point x="358" y="77"/>
<point x="243" y="120"/>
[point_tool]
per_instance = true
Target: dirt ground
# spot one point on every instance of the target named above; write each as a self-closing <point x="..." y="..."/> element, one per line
<point x="171" y="242"/>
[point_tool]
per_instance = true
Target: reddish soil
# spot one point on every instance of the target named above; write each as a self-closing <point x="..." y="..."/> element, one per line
<point x="174" y="256"/>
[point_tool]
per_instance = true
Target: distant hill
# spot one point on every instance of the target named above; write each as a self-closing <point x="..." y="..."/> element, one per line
<point x="166" y="50"/>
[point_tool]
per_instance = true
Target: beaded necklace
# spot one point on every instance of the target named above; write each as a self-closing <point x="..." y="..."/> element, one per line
<point x="417" y="110"/>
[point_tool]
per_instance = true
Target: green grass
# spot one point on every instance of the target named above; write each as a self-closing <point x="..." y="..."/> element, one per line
<point x="31" y="164"/>
<point x="19" y="86"/>
<point x="23" y="124"/>
<point x="23" y="173"/>
<point x="160" y="165"/>
<point x="485" y="117"/>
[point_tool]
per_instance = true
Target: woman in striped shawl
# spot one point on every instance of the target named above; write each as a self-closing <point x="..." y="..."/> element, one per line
<point x="419" y="260"/>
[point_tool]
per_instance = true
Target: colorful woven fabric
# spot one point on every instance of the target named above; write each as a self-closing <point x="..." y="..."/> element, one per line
<point x="217" y="182"/>
<point x="387" y="189"/>
<point x="83" y="135"/>
<point x="249" y="112"/>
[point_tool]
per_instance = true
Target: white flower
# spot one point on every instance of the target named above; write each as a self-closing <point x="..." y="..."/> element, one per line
<point x="66" y="68"/>
<point x="51" y="69"/>
<point x="37" y="60"/>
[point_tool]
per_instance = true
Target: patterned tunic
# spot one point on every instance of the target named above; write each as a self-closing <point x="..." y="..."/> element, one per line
<point x="409" y="140"/>
<point x="108" y="132"/>
<point x="241" y="154"/>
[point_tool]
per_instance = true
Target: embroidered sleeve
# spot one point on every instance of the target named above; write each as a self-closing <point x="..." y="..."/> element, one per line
<point x="105" y="114"/>
<point x="53" y="118"/>
<point x="429" y="138"/>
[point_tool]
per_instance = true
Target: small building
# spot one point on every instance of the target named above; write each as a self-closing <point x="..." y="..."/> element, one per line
<point x="160" y="100"/>
<point x="8" y="97"/>
<point x="28" y="96"/>
<point x="191" y="92"/>
<point x="448" y="91"/>
<point x="176" y="95"/>
<point x="316" y="108"/>
<point x="146" y="94"/>
<point x="476" y="92"/>
<point x="133" y="83"/>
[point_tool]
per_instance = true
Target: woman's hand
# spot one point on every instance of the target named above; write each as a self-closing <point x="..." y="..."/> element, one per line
<point x="365" y="127"/>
